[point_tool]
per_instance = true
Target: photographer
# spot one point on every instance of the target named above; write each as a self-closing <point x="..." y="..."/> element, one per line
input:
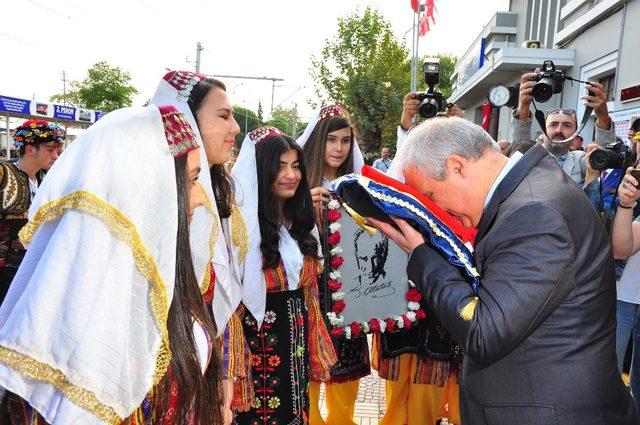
<point x="625" y="242"/>
<point x="561" y="123"/>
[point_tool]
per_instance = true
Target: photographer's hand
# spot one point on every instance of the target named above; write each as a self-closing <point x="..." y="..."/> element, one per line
<point x="628" y="192"/>
<point x="592" y="173"/>
<point x="597" y="99"/>
<point x="526" y="87"/>
<point x="410" y="108"/>
<point x="625" y="235"/>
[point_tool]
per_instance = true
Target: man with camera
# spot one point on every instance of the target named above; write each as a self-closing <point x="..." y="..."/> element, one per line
<point x="561" y="123"/>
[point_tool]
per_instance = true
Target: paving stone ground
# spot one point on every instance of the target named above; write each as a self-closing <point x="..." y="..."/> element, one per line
<point x="370" y="404"/>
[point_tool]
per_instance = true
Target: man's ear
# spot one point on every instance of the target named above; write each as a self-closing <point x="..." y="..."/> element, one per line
<point x="456" y="165"/>
<point x="411" y="173"/>
<point x="29" y="149"/>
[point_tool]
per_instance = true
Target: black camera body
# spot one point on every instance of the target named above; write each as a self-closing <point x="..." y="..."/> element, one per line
<point x="549" y="82"/>
<point x="431" y="101"/>
<point x="613" y="155"/>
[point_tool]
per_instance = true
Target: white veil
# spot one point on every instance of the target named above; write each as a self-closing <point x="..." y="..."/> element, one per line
<point x="102" y="232"/>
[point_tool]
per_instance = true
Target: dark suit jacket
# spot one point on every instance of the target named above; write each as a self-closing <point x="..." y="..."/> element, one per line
<point x="540" y="348"/>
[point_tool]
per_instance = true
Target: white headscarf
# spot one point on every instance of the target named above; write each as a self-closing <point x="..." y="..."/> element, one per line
<point x="207" y="239"/>
<point x="332" y="110"/>
<point x="245" y="172"/>
<point x="83" y="329"/>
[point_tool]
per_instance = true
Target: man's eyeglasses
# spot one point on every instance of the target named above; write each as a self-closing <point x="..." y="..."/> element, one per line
<point x="564" y="111"/>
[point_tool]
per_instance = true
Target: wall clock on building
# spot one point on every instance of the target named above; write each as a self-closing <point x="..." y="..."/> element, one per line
<point x="499" y="96"/>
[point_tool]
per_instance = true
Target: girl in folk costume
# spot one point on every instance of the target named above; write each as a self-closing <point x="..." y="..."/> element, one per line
<point x="218" y="234"/>
<point x="104" y="322"/>
<point x="287" y="335"/>
<point x="331" y="151"/>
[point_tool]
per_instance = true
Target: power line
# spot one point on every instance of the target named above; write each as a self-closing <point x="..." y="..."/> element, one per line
<point x="20" y="40"/>
<point x="50" y="9"/>
<point x="75" y="5"/>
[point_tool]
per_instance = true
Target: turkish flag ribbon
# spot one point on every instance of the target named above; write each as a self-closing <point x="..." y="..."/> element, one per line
<point x="465" y="234"/>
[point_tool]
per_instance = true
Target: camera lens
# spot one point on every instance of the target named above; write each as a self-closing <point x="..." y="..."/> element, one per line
<point x="429" y="108"/>
<point x="543" y="90"/>
<point x="601" y="159"/>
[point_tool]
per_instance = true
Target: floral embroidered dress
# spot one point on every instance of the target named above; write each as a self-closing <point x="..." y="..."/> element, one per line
<point x="291" y="347"/>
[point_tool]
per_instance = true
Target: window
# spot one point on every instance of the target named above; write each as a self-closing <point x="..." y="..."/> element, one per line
<point x="609" y="82"/>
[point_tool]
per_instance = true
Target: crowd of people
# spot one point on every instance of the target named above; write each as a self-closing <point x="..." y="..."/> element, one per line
<point x="167" y="288"/>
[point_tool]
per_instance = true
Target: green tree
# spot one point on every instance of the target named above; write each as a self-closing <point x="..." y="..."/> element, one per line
<point x="365" y="67"/>
<point x="284" y="119"/>
<point x="260" y="117"/>
<point x="106" y="88"/>
<point x="247" y="120"/>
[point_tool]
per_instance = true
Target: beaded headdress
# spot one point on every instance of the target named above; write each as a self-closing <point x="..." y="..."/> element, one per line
<point x="183" y="82"/>
<point x="180" y="136"/>
<point x="263" y="133"/>
<point x="334" y="110"/>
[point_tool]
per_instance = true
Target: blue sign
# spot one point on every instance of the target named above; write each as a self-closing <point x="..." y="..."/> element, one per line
<point x="98" y="115"/>
<point x="64" y="112"/>
<point x="15" y="105"/>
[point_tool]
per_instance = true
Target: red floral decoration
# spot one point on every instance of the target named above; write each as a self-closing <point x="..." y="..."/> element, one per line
<point x="333" y="215"/>
<point x="334" y="285"/>
<point x="355" y="330"/>
<point x="374" y="325"/>
<point x="407" y="322"/>
<point x="334" y="239"/>
<point x="391" y="324"/>
<point x="414" y="295"/>
<point x="338" y="306"/>
<point x="420" y="314"/>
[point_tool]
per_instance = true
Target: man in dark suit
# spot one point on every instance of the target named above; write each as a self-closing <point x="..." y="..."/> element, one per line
<point x="539" y="336"/>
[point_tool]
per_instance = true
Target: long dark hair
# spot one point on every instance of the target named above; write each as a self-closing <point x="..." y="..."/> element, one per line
<point x="298" y="209"/>
<point x="314" y="149"/>
<point x="197" y="394"/>
<point x="221" y="181"/>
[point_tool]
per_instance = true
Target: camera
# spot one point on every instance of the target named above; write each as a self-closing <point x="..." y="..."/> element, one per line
<point x="432" y="100"/>
<point x="549" y="82"/>
<point x="613" y="155"/>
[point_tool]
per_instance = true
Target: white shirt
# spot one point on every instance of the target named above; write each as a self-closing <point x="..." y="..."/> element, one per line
<point x="292" y="258"/>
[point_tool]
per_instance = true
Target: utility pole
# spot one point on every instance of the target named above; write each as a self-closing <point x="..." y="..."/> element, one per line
<point x="272" y="79"/>
<point x="199" y="49"/>
<point x="415" y="43"/>
<point x="64" y="88"/>
<point x="294" y="123"/>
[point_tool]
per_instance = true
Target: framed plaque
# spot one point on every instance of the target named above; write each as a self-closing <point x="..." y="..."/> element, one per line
<point x="367" y="288"/>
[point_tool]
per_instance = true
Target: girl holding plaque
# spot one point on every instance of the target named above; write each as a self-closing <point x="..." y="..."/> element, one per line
<point x="331" y="151"/>
<point x="287" y="335"/>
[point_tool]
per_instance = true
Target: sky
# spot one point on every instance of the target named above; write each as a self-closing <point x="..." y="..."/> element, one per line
<point x="39" y="39"/>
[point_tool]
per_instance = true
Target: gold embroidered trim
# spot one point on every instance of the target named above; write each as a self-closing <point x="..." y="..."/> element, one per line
<point x="239" y="232"/>
<point x="213" y="236"/>
<point x="43" y="372"/>
<point x="124" y="230"/>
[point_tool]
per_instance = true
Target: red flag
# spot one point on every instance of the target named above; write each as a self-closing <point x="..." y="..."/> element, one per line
<point x="428" y="17"/>
<point x="415" y="4"/>
<point x="486" y="116"/>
